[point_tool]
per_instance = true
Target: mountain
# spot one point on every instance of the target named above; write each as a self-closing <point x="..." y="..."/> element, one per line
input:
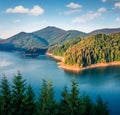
<point x="23" y="41"/>
<point x="45" y="38"/>
<point x="50" y="33"/>
<point x="69" y="35"/>
<point x="105" y="31"/>
<point x="40" y="39"/>
<point x="56" y="35"/>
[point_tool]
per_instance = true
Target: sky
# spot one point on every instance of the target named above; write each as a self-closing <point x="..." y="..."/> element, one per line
<point x="32" y="15"/>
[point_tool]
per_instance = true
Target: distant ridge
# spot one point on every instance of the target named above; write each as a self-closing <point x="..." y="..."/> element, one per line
<point x="41" y="39"/>
<point x="54" y="35"/>
<point x="105" y="31"/>
<point x="45" y="38"/>
<point x="50" y="33"/>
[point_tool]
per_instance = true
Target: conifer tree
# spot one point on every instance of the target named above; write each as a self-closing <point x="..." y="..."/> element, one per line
<point x="86" y="106"/>
<point x="5" y="97"/>
<point x="29" y="101"/>
<point x="46" y="102"/>
<point x="101" y="107"/>
<point x="64" y="108"/>
<point x="18" y="94"/>
<point x="71" y="101"/>
<point x="74" y="101"/>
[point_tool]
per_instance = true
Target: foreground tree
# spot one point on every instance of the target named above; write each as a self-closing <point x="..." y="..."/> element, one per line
<point x="101" y="107"/>
<point x="64" y="108"/>
<point x="18" y="94"/>
<point x="71" y="102"/>
<point x="74" y="102"/>
<point x="19" y="99"/>
<point x="5" y="97"/>
<point x="46" y="101"/>
<point x="30" y="101"/>
<point x="87" y="107"/>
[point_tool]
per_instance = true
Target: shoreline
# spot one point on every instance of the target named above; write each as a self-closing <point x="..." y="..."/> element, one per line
<point x="58" y="58"/>
<point x="77" y="69"/>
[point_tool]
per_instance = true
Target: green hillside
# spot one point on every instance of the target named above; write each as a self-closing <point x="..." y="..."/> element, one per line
<point x="60" y="49"/>
<point x="69" y="35"/>
<point x="94" y="49"/>
<point x="41" y="39"/>
<point x="50" y="33"/>
<point x="25" y="41"/>
<point x="55" y="35"/>
<point x="52" y="38"/>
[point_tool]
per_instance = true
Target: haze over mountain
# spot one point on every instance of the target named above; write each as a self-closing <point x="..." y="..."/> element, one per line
<point x="105" y="31"/>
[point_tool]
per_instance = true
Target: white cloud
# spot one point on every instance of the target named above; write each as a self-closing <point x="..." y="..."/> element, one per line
<point x="89" y="16"/>
<point x="74" y="8"/>
<point x="36" y="10"/>
<point x="118" y="19"/>
<point x="17" y="9"/>
<point x="17" y="21"/>
<point x="117" y="5"/>
<point x="74" y="5"/>
<point x="69" y="12"/>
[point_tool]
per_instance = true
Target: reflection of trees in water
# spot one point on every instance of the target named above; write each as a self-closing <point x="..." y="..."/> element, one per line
<point x="97" y="76"/>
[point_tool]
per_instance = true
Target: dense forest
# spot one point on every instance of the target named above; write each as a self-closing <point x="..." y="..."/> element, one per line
<point x="18" y="98"/>
<point x="60" y="49"/>
<point x="93" y="49"/>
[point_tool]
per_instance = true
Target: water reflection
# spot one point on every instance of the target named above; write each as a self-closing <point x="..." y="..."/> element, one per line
<point x="97" y="81"/>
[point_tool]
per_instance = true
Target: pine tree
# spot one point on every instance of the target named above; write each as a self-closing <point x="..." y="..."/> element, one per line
<point x="5" y="97"/>
<point x="74" y="101"/>
<point x="41" y="106"/>
<point x="46" y="102"/>
<point x="64" y="108"/>
<point x="29" y="101"/>
<point x="101" y="107"/>
<point x="87" y="106"/>
<point x="71" y="101"/>
<point x="18" y="94"/>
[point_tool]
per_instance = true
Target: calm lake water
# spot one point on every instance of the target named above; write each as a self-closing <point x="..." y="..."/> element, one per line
<point x="98" y="81"/>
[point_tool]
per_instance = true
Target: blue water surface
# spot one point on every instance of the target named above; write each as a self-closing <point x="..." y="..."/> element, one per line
<point x="93" y="82"/>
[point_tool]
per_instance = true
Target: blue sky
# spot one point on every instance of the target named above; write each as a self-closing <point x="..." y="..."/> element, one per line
<point x="32" y="15"/>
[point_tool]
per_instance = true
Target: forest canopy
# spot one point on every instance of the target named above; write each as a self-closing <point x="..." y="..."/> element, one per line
<point x="98" y="48"/>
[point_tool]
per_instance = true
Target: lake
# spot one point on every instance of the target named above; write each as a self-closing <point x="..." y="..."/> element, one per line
<point x="94" y="82"/>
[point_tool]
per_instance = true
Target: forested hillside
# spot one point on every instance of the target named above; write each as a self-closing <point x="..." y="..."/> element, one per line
<point x="23" y="41"/>
<point x="54" y="35"/>
<point x="94" y="49"/>
<point x="60" y="49"/>
<point x="41" y="39"/>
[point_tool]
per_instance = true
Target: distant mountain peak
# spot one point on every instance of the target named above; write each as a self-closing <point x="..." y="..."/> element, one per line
<point x="105" y="31"/>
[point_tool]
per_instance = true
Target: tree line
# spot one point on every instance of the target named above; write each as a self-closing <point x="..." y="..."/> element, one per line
<point x="18" y="98"/>
<point x="99" y="48"/>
